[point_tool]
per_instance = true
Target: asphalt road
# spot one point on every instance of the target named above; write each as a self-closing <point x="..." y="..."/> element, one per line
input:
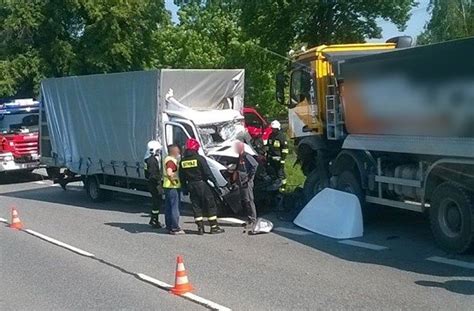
<point x="289" y="269"/>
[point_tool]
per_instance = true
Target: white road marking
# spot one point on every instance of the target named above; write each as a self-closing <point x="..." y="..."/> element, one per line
<point x="452" y="262"/>
<point x="374" y="247"/>
<point x="3" y="220"/>
<point x="154" y="281"/>
<point x="210" y="304"/>
<point x="232" y="220"/>
<point x="59" y="243"/>
<point x="197" y="299"/>
<point x="39" y="182"/>
<point x="292" y="231"/>
<point x="202" y="301"/>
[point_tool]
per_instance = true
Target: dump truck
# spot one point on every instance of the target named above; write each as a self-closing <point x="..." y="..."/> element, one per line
<point x="392" y="124"/>
<point x="97" y="126"/>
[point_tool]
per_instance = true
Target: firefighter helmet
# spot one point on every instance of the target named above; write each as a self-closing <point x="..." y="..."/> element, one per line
<point x="275" y="125"/>
<point x="153" y="146"/>
<point x="192" y="144"/>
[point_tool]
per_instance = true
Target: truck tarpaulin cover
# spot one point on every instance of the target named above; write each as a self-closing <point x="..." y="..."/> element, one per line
<point x="206" y="89"/>
<point x="103" y="122"/>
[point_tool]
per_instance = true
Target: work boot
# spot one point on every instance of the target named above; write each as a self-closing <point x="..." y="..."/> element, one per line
<point x="216" y="230"/>
<point x="177" y="232"/>
<point x="200" y="225"/>
<point x="154" y="222"/>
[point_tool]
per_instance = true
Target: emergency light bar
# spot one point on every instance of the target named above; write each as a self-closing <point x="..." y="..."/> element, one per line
<point x="19" y="105"/>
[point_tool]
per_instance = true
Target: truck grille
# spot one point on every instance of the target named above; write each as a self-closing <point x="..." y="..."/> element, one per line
<point x="26" y="148"/>
<point x="23" y="147"/>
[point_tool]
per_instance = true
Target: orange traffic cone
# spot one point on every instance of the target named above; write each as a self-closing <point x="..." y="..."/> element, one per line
<point x="16" y="222"/>
<point x="181" y="285"/>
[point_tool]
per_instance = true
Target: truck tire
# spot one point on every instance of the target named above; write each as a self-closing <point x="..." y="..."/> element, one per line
<point x="53" y="172"/>
<point x="348" y="182"/>
<point x="452" y="218"/>
<point x="94" y="192"/>
<point x="313" y="184"/>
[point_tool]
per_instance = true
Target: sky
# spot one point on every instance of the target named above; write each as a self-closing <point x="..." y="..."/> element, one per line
<point x="414" y="26"/>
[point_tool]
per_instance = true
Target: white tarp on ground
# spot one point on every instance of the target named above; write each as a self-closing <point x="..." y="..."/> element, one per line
<point x="103" y="122"/>
<point x="332" y="213"/>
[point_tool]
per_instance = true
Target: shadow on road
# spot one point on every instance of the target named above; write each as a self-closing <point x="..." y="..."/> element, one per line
<point x="134" y="227"/>
<point x="7" y="178"/>
<point x="143" y="228"/>
<point x="463" y="287"/>
<point x="76" y="196"/>
<point x="407" y="236"/>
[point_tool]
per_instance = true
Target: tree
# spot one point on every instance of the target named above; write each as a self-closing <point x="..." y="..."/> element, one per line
<point x="211" y="37"/>
<point x="54" y="38"/>
<point x="450" y="19"/>
<point x="280" y="24"/>
<point x="117" y="35"/>
<point x="20" y="63"/>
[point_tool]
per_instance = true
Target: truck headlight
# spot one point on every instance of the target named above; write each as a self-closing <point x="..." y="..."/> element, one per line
<point x="6" y="157"/>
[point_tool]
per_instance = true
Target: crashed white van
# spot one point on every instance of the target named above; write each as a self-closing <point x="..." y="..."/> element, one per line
<point x="97" y="126"/>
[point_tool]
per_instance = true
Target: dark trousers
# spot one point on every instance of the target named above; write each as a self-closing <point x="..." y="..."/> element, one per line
<point x="279" y="169"/>
<point x="246" y="197"/>
<point x="172" y="202"/>
<point x="156" y="191"/>
<point x="202" y="200"/>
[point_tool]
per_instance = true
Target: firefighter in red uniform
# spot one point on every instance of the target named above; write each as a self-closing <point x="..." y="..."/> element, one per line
<point x="195" y="176"/>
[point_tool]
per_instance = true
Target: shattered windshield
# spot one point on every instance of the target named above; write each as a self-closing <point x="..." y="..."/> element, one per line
<point x="213" y="134"/>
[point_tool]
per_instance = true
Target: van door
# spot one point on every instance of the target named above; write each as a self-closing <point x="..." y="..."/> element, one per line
<point x="176" y="134"/>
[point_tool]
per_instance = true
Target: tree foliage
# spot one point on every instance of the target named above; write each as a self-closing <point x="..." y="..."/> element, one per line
<point x="450" y="19"/>
<point x="211" y="37"/>
<point x="281" y="23"/>
<point x="53" y="38"/>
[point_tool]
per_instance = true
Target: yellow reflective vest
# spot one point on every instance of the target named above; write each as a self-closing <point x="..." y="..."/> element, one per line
<point x="167" y="182"/>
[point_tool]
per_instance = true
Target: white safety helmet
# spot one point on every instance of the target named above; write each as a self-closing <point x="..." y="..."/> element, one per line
<point x="153" y="146"/>
<point x="275" y="124"/>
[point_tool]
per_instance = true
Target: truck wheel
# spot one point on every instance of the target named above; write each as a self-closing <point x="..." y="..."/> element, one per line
<point x="348" y="182"/>
<point x="452" y="218"/>
<point x="53" y="172"/>
<point x="94" y="192"/>
<point x="313" y="184"/>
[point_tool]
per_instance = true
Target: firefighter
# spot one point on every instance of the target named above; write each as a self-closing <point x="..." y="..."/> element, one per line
<point x="277" y="150"/>
<point x="172" y="188"/>
<point x="245" y="173"/>
<point x="195" y="176"/>
<point x="153" y="174"/>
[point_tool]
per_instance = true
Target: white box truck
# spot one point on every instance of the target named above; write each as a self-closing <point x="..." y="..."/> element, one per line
<point x="97" y="126"/>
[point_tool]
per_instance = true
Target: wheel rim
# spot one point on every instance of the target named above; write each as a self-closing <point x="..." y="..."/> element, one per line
<point x="93" y="190"/>
<point x="451" y="221"/>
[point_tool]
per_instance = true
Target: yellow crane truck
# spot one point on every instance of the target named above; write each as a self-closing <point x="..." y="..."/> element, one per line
<point x="392" y="124"/>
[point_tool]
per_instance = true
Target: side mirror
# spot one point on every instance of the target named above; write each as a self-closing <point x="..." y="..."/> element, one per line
<point x="280" y="85"/>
